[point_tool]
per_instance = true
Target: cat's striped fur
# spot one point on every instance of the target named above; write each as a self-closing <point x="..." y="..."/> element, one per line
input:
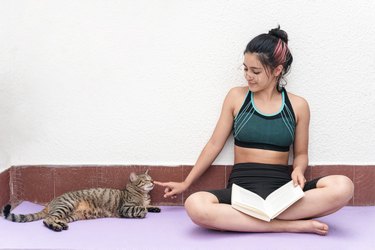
<point x="133" y="202"/>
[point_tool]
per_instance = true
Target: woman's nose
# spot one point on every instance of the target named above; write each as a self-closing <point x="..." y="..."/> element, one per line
<point x="248" y="76"/>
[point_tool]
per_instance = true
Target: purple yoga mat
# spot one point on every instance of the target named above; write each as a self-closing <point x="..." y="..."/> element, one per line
<point x="350" y="228"/>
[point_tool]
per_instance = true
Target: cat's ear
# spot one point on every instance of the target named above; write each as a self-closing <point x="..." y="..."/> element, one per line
<point x="133" y="177"/>
<point x="146" y="171"/>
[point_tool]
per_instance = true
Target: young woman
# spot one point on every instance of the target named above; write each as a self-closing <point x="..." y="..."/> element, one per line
<point x="265" y="120"/>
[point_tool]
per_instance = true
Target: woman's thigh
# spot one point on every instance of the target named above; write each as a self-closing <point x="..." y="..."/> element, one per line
<point x="331" y="194"/>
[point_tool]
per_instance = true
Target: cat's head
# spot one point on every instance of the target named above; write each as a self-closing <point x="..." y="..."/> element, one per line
<point x="142" y="182"/>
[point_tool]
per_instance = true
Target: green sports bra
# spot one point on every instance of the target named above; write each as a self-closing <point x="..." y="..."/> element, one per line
<point x="253" y="129"/>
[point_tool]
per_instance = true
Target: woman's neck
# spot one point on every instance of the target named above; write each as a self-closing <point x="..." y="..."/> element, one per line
<point x="267" y="94"/>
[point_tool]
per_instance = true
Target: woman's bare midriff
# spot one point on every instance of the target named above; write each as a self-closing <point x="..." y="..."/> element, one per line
<point x="244" y="155"/>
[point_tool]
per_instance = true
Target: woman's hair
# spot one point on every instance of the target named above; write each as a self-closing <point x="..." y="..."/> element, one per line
<point x="272" y="50"/>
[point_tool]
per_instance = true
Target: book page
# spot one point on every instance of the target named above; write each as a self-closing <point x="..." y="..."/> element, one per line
<point x="282" y="198"/>
<point x="246" y="198"/>
<point x="252" y="212"/>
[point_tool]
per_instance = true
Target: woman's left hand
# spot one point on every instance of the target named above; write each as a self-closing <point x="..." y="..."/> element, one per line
<point x="298" y="177"/>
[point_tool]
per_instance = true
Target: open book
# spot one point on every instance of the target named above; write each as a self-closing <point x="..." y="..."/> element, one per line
<point x="252" y="204"/>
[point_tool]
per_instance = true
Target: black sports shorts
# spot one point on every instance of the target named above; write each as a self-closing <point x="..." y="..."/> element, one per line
<point x="259" y="178"/>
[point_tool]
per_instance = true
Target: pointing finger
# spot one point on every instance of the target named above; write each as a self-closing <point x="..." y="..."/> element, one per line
<point x="159" y="183"/>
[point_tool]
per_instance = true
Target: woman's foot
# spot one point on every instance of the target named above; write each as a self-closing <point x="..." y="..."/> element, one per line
<point x="308" y="226"/>
<point x="319" y="227"/>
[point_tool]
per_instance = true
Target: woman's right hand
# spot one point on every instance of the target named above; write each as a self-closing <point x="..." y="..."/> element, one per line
<point x="172" y="188"/>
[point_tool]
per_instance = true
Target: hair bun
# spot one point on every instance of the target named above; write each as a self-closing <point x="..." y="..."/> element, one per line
<point x="279" y="33"/>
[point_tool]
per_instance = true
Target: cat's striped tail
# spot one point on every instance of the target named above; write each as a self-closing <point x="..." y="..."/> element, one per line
<point x="22" y="217"/>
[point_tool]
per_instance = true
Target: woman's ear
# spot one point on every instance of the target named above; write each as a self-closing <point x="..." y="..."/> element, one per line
<point x="278" y="70"/>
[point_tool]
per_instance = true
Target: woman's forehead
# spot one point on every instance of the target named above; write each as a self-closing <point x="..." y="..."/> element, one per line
<point x="251" y="60"/>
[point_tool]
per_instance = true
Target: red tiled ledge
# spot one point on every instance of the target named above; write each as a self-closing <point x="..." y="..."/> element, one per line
<point x="40" y="184"/>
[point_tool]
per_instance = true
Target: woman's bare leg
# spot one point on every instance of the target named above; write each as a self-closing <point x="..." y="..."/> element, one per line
<point x="204" y="210"/>
<point x="332" y="193"/>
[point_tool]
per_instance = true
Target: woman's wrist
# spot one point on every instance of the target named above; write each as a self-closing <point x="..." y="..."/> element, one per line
<point x="299" y="168"/>
<point x="186" y="184"/>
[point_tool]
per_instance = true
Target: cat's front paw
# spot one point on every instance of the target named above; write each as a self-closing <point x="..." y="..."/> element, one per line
<point x="153" y="209"/>
<point x="141" y="214"/>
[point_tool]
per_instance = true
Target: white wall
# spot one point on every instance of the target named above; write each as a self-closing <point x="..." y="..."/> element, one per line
<point x="142" y="82"/>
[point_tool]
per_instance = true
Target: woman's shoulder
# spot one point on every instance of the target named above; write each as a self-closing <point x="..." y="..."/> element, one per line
<point x="235" y="97"/>
<point x="300" y="105"/>
<point x="238" y="91"/>
<point x="297" y="101"/>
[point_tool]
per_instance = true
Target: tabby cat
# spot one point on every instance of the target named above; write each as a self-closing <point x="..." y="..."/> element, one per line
<point x="133" y="202"/>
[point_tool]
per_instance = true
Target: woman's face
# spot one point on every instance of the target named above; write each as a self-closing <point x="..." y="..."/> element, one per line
<point x="257" y="77"/>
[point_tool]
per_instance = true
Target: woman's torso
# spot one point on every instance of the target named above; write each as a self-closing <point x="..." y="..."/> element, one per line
<point x="247" y="113"/>
<point x="243" y="155"/>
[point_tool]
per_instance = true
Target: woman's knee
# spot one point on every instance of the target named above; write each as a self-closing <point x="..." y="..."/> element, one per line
<point x="341" y="188"/>
<point x="197" y="207"/>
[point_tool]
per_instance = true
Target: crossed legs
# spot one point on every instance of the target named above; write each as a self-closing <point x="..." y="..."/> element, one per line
<point x="332" y="193"/>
